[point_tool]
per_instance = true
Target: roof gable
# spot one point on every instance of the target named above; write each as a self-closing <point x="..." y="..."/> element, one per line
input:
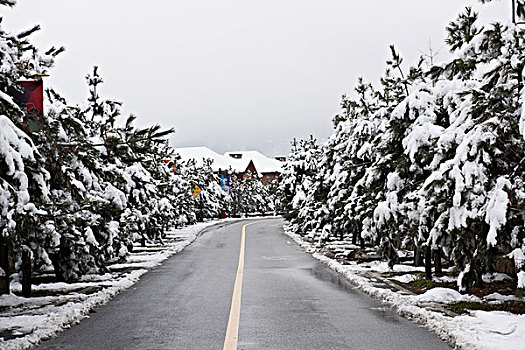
<point x="261" y="163"/>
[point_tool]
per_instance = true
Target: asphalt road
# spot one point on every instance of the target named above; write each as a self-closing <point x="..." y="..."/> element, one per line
<point x="289" y="301"/>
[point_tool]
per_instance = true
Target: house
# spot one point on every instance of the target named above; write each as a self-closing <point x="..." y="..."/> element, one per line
<point x="267" y="169"/>
<point x="241" y="163"/>
<point x="199" y="154"/>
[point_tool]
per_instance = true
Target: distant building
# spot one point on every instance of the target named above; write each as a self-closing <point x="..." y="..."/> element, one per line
<point x="241" y="163"/>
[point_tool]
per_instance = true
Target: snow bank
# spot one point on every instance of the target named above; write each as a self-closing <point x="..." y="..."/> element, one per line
<point x="405" y="278"/>
<point x="445" y="295"/>
<point x="382" y="266"/>
<point x="498" y="297"/>
<point x="494" y="330"/>
<point x="495" y="277"/>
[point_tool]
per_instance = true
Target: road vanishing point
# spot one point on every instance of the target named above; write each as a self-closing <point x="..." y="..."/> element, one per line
<point x="244" y="285"/>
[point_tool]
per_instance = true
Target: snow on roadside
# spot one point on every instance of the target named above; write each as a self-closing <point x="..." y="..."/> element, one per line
<point x="34" y="319"/>
<point x="479" y="330"/>
<point x="405" y="278"/>
<point x="446" y="295"/>
<point x="496" y="297"/>
<point x="382" y="266"/>
<point x="49" y="320"/>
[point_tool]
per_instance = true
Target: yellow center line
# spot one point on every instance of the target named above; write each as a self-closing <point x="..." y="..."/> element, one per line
<point x="232" y="331"/>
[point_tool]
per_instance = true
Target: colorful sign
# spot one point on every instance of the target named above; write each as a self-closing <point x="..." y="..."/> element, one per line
<point x="225" y="183"/>
<point x="170" y="163"/>
<point x="195" y="190"/>
<point x="31" y="98"/>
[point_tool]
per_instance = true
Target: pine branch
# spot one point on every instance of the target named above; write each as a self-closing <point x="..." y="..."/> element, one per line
<point x="9" y="3"/>
<point x="28" y="32"/>
<point x="53" y="51"/>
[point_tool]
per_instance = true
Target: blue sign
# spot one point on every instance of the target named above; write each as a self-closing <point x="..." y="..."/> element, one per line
<point x="225" y="183"/>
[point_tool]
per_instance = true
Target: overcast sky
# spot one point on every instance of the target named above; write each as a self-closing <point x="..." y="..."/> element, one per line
<point x="234" y="74"/>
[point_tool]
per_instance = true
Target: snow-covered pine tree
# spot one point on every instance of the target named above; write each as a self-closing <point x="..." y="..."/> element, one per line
<point x="441" y="155"/>
<point x="298" y="176"/>
<point x="212" y="201"/>
<point x="235" y="199"/>
<point x="363" y="179"/>
<point x="111" y="195"/>
<point x="390" y="165"/>
<point x="105" y="184"/>
<point x="144" y="167"/>
<point x="248" y="195"/>
<point x="164" y="211"/>
<point x="274" y="197"/>
<point x="330" y="191"/>
<point x="23" y="187"/>
<point x="71" y="245"/>
<point x="131" y="158"/>
<point x="479" y="156"/>
<point x="183" y="204"/>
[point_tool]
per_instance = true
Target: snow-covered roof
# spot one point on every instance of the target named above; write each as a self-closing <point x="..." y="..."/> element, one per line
<point x="199" y="154"/>
<point x="262" y="163"/>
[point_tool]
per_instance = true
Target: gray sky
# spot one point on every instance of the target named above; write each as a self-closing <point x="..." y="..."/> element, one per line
<point x="234" y="74"/>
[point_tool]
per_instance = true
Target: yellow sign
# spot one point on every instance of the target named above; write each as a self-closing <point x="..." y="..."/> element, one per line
<point x="195" y="190"/>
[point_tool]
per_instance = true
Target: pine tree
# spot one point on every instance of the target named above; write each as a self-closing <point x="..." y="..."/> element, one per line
<point x="298" y="175"/>
<point x="212" y="201"/>
<point x="71" y="246"/>
<point x="432" y="159"/>
<point x="248" y="195"/>
<point x="479" y="153"/>
<point x="23" y="187"/>
<point x="104" y="184"/>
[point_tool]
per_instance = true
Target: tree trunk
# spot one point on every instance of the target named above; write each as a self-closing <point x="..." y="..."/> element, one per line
<point x="377" y="242"/>
<point x="26" y="273"/>
<point x="478" y="278"/>
<point x="418" y="258"/>
<point x="428" y="263"/>
<point x="56" y="265"/>
<point x="437" y="262"/>
<point x="4" y="265"/>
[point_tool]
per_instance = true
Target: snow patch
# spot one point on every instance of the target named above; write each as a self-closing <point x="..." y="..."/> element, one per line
<point x="521" y="279"/>
<point x="445" y="295"/>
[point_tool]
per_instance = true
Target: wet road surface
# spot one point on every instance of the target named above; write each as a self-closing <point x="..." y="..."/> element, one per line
<point x="289" y="301"/>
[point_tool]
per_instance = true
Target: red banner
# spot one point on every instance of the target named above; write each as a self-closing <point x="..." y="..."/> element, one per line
<point x="32" y="100"/>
